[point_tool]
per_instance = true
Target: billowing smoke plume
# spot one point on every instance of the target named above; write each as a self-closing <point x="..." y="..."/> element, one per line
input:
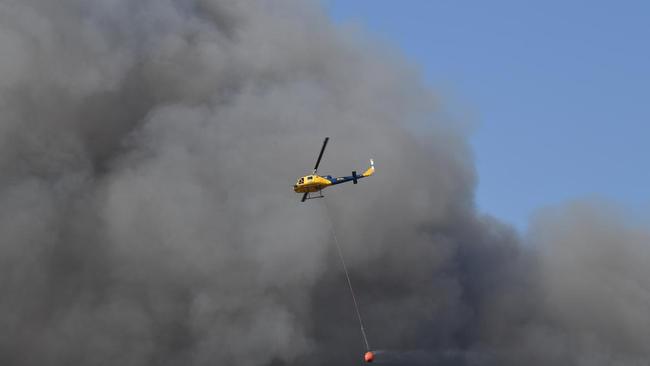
<point x="147" y="153"/>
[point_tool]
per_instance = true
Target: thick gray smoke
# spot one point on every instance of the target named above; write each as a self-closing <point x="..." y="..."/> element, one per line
<point x="147" y="153"/>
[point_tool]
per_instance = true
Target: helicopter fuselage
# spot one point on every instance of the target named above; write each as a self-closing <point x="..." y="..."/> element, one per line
<point x="313" y="183"/>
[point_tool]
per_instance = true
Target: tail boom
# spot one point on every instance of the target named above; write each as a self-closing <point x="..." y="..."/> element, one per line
<point x="355" y="177"/>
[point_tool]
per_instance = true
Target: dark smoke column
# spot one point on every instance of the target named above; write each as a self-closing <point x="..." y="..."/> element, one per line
<point x="146" y="154"/>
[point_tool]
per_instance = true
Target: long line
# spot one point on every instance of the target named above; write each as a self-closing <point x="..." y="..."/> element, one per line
<point x="347" y="276"/>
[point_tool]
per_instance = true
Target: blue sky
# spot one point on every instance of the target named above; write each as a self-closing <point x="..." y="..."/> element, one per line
<point x="559" y="91"/>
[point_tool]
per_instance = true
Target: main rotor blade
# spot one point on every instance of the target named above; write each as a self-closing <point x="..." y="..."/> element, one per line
<point x="320" y="156"/>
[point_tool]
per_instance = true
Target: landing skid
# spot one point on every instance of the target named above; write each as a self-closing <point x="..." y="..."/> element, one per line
<point x="308" y="196"/>
<point x="320" y="195"/>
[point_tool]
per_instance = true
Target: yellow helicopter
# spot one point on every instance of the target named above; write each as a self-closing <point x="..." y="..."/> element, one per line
<point x="316" y="183"/>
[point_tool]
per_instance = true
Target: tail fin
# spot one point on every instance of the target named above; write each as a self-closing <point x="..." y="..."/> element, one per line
<point x="370" y="170"/>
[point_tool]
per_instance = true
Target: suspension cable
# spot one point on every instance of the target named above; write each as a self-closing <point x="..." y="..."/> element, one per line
<point x="347" y="276"/>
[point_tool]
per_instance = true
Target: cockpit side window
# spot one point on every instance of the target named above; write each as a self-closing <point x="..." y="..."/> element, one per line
<point x="310" y="178"/>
